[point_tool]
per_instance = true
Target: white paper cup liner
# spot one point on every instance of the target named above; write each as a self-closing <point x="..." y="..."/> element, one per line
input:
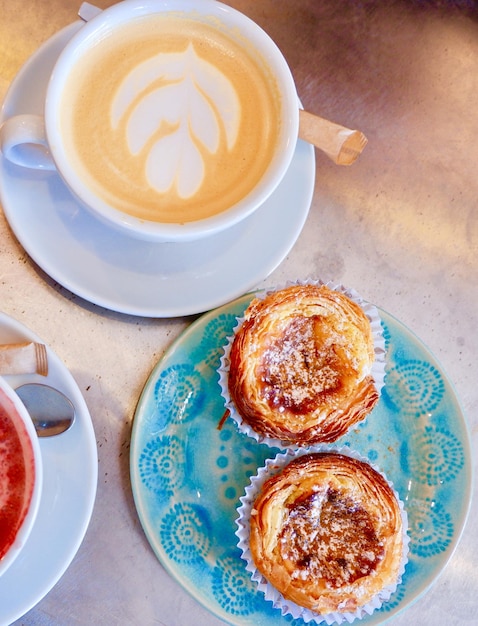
<point x="271" y="594"/>
<point x="377" y="372"/>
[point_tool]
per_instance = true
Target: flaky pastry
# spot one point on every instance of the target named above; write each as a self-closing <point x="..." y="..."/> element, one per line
<point x="300" y="365"/>
<point x="327" y="533"/>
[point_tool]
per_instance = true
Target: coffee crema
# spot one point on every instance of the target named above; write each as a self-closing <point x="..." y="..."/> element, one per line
<point x="171" y="118"/>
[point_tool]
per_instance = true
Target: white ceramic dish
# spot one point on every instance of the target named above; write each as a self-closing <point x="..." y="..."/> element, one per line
<point x="31" y="451"/>
<point x="127" y="275"/>
<point x="70" y="469"/>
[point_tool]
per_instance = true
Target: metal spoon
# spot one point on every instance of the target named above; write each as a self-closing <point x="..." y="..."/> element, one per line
<point x="51" y="411"/>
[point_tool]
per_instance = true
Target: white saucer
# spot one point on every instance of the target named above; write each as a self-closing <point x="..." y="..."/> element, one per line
<point x="70" y="472"/>
<point x="128" y="275"/>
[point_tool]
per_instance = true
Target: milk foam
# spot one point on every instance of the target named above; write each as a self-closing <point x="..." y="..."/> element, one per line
<point x="194" y="99"/>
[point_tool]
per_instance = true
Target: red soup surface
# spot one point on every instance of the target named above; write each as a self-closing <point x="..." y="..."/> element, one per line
<point x="16" y="474"/>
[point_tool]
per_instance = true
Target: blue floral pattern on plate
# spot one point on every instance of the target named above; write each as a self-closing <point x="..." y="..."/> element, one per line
<point x="189" y="469"/>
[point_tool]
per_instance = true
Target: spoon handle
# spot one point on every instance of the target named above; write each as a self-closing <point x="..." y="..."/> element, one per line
<point x="339" y="143"/>
<point x="23" y="358"/>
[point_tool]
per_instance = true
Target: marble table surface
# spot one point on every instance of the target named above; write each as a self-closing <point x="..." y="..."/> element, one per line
<point x="400" y="226"/>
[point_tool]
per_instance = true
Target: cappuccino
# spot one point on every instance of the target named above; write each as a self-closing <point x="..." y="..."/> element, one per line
<point x="171" y="118"/>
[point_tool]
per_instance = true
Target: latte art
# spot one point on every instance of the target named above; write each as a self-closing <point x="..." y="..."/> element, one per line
<point x="171" y="119"/>
<point x="192" y="101"/>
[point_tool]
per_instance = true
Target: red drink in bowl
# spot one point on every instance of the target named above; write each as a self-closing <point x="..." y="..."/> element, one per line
<point x="20" y="476"/>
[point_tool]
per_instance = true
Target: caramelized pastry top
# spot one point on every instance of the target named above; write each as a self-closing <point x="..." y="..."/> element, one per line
<point x="300" y="365"/>
<point x="327" y="532"/>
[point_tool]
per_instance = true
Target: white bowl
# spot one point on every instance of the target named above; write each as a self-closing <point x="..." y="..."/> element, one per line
<point x="14" y="419"/>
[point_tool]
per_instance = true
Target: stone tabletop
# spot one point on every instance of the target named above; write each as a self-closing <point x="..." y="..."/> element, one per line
<point x="400" y="226"/>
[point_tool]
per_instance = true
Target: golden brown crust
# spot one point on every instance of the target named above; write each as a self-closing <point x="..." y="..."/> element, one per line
<point x="327" y="533"/>
<point x="300" y="365"/>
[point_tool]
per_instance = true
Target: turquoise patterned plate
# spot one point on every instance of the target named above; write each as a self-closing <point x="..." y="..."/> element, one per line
<point x="188" y="473"/>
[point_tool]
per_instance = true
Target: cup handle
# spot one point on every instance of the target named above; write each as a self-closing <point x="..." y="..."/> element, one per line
<point x="23" y="142"/>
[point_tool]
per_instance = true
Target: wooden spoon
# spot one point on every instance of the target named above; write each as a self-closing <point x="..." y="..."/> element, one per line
<point x="340" y="144"/>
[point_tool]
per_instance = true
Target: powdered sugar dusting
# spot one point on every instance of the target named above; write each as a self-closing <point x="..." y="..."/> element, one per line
<point x="296" y="370"/>
<point x="330" y="537"/>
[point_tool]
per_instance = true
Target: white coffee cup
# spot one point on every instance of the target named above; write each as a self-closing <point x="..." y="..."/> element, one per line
<point x="188" y="117"/>
<point x="20" y="494"/>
